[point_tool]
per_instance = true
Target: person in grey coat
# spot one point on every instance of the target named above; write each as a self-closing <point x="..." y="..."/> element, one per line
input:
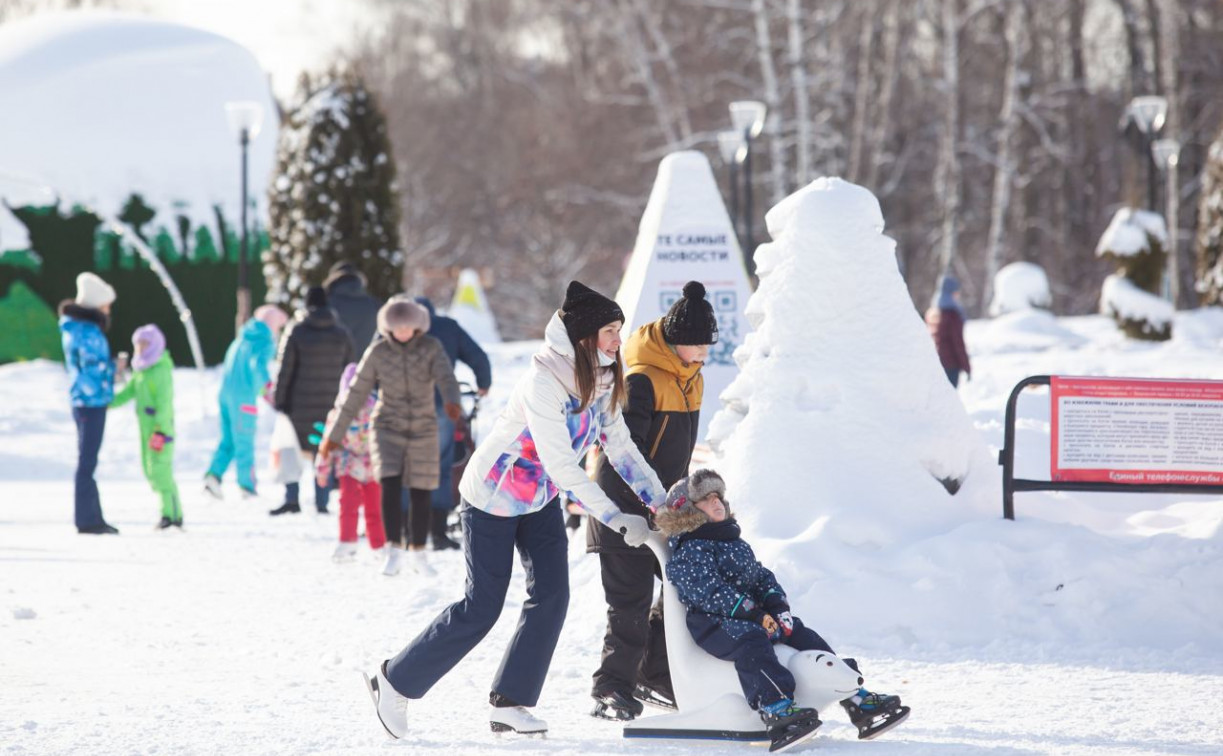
<point x="356" y="308"/>
<point x="406" y="365"/>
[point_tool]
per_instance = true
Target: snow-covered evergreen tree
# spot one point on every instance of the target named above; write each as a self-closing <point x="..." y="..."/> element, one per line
<point x="1210" y="228"/>
<point x="333" y="196"/>
<point x="1137" y="240"/>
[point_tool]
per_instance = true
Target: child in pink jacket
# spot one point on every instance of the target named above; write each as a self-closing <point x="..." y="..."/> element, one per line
<point x="353" y="468"/>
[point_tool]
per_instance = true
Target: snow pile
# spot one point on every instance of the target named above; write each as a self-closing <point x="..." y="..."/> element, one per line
<point x="1020" y="286"/>
<point x="1121" y="299"/>
<point x="1127" y="234"/>
<point x="1028" y="330"/>
<point x="102" y="105"/>
<point x="842" y="425"/>
<point x="470" y="308"/>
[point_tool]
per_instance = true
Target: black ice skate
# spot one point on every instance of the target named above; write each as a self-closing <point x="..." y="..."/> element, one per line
<point x="651" y="697"/>
<point x="617" y="707"/>
<point x="788" y="724"/>
<point x="874" y="714"/>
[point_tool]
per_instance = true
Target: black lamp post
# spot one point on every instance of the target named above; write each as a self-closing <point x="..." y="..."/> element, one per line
<point x="1166" y="154"/>
<point x="730" y="144"/>
<point x="1147" y="113"/>
<point x="245" y="118"/>
<point x="747" y="116"/>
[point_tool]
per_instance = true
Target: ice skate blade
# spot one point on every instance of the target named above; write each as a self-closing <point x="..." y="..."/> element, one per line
<point x="605" y="713"/>
<point x="500" y="728"/>
<point x="787" y="745"/>
<point x="371" y="685"/>
<point x="653" y="701"/>
<point x="886" y="725"/>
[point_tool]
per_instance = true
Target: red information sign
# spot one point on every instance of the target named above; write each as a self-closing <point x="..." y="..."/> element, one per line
<point x="1131" y="430"/>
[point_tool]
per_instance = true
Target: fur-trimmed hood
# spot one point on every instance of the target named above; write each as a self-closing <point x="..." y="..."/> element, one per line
<point x="679" y="514"/>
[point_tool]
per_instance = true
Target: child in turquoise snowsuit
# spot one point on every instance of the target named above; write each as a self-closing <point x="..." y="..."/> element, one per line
<point x="152" y="386"/>
<point x="245" y="377"/>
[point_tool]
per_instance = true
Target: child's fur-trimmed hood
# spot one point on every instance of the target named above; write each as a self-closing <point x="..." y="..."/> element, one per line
<point x="679" y="514"/>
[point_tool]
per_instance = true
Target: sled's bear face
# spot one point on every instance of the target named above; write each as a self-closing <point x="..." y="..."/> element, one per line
<point x="822" y="679"/>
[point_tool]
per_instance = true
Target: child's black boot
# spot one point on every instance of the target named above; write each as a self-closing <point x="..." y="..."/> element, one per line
<point x="788" y="724"/>
<point x="874" y="713"/>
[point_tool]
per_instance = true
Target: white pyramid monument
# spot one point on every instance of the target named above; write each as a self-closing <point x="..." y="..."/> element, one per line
<point x="842" y="425"/>
<point x="470" y="308"/>
<point x="686" y="235"/>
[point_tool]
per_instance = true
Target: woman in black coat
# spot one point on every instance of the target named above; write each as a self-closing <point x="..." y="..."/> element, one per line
<point x="313" y="354"/>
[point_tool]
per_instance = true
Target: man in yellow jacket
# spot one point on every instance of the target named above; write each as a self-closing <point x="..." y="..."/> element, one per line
<point x="664" y="384"/>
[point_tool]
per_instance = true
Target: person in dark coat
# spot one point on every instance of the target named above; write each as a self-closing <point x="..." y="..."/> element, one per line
<point x="945" y="319"/>
<point x="353" y="305"/>
<point x="460" y="347"/>
<point x="665" y="387"/>
<point x="313" y="354"/>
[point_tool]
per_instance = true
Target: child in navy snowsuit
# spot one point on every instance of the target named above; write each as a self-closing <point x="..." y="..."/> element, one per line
<point x="736" y="608"/>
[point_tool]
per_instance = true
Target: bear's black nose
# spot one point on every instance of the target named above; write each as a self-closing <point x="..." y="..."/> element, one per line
<point x="861" y="680"/>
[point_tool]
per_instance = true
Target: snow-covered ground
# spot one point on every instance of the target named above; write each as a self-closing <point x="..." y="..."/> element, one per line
<point x="1091" y="625"/>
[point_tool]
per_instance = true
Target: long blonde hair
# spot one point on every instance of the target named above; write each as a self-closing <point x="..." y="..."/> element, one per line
<point x="586" y="376"/>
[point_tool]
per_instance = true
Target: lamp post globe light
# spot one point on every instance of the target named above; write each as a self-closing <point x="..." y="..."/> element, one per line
<point x="731" y="146"/>
<point x="1147" y="113"/>
<point x="1166" y="154"/>
<point x="747" y="117"/>
<point x="245" y="118"/>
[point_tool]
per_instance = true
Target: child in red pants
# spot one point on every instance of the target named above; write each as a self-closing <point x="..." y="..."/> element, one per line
<point x="359" y="487"/>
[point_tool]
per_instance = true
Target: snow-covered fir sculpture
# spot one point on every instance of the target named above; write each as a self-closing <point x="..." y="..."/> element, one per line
<point x="1137" y="241"/>
<point x="333" y="196"/>
<point x="842" y="422"/>
<point x="1020" y="286"/>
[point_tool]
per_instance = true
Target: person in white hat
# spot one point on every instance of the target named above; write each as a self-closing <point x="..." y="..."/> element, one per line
<point x="82" y="324"/>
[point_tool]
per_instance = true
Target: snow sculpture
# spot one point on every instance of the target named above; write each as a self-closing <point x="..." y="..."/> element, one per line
<point x="1020" y="286"/>
<point x="842" y="423"/>
<point x="686" y="235"/>
<point x="470" y="308"/>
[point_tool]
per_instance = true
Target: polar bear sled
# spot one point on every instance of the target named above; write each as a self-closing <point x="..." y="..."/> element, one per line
<point x="708" y="696"/>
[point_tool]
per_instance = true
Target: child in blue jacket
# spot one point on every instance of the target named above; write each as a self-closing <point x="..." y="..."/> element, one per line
<point x="245" y="377"/>
<point x="83" y="322"/>
<point x="737" y="611"/>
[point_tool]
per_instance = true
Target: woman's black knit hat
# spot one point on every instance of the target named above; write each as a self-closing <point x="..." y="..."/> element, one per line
<point x="690" y="321"/>
<point x="585" y="311"/>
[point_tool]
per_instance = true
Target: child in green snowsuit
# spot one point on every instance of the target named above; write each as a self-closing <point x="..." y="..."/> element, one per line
<point x="152" y="386"/>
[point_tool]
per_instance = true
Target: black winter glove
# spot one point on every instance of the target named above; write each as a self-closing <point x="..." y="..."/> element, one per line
<point x="775" y="603"/>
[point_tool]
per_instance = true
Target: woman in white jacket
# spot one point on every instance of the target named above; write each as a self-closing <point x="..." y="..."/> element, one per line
<point x="569" y="400"/>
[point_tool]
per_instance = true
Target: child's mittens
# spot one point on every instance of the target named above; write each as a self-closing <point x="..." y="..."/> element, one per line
<point x="776" y="605"/>
<point x="785" y="621"/>
<point x="157" y="441"/>
<point x="770" y="626"/>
